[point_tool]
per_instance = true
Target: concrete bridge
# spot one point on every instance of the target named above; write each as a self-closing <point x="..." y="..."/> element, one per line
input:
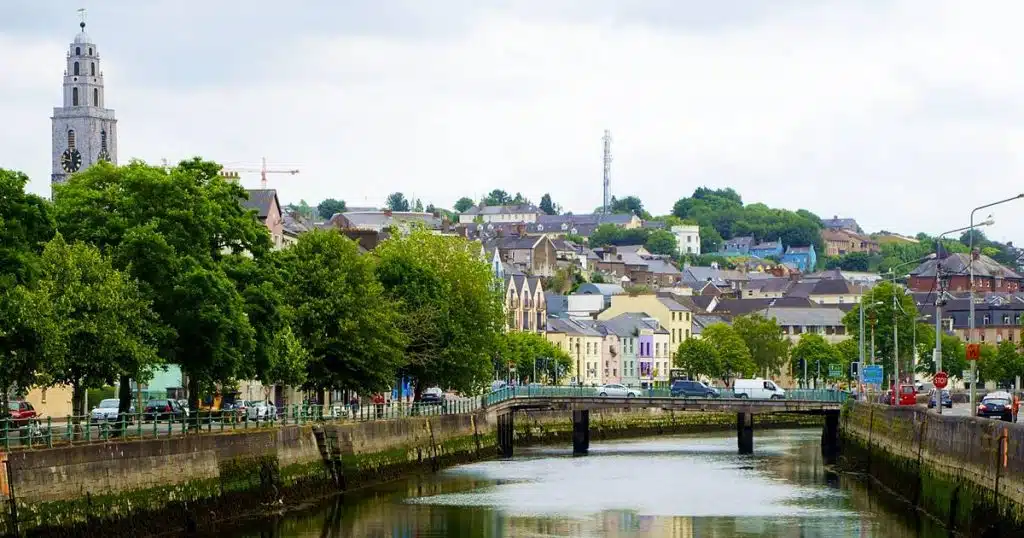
<point x="828" y="404"/>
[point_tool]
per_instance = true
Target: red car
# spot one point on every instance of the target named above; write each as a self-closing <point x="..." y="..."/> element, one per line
<point x="907" y="395"/>
<point x="21" y="413"/>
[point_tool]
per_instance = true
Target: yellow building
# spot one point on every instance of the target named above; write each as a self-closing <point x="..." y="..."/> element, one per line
<point x="585" y="346"/>
<point x="672" y="315"/>
<point x="52" y="402"/>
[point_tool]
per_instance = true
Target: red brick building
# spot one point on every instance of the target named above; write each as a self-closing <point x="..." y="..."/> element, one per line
<point x="989" y="276"/>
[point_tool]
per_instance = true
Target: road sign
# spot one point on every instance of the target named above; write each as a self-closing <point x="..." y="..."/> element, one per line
<point x="873" y="374"/>
<point x="966" y="376"/>
<point x="835" y="371"/>
<point x="941" y="380"/>
<point x="973" y="352"/>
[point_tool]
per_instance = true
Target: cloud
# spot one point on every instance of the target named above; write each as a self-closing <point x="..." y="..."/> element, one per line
<point x="900" y="114"/>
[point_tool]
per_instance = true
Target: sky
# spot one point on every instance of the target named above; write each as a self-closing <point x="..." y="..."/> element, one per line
<point x="901" y="114"/>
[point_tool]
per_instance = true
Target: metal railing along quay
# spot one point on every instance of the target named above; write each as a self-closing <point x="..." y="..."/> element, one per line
<point x="506" y="393"/>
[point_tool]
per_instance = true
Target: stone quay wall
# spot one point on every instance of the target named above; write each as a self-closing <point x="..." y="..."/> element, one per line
<point x="967" y="472"/>
<point x="144" y="487"/>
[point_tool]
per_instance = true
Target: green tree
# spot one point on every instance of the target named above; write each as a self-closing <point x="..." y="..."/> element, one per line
<point x="815" y="351"/>
<point x="102" y="327"/>
<point x="396" y="202"/>
<point x="417" y="206"/>
<point x="329" y="207"/>
<point x="629" y="204"/>
<point x="763" y="336"/>
<point x="698" y="357"/>
<point x="1004" y="365"/>
<point x="497" y="197"/>
<point x="732" y="351"/>
<point x="25" y="225"/>
<point x="661" y="242"/>
<point x="450" y="310"/>
<point x="463" y="204"/>
<point x="954" y="355"/>
<point x="173" y="231"/>
<point x="547" y="206"/>
<point x="303" y="209"/>
<point x="881" y="317"/>
<point x="349" y="329"/>
<point x="610" y="234"/>
<point x="530" y="352"/>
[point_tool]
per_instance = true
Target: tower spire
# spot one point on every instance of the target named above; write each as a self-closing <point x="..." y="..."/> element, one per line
<point x="81" y="14"/>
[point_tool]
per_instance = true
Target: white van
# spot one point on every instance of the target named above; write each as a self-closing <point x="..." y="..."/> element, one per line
<point x="758" y="389"/>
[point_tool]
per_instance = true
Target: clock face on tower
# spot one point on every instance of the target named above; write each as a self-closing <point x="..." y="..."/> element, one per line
<point x="71" y="160"/>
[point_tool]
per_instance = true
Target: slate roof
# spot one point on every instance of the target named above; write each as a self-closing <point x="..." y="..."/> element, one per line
<point x="381" y="219"/>
<point x="770" y="285"/>
<point x="629" y="323"/>
<point x="836" y="222"/>
<point x="798" y="250"/>
<point x="602" y="289"/>
<point x="501" y="209"/>
<point x="700" y="321"/>
<point x="673" y="305"/>
<point x="571" y="326"/>
<point x="814" y="317"/>
<point x="960" y="264"/>
<point x="739" y="307"/>
<point x="261" y="200"/>
<point x="807" y="288"/>
<point x="767" y="245"/>
<point x="514" y="242"/>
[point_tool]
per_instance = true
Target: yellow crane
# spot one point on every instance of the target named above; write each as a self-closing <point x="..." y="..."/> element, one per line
<point x="231" y="172"/>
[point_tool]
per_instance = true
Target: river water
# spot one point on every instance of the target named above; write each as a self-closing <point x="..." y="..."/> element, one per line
<point x="667" y="486"/>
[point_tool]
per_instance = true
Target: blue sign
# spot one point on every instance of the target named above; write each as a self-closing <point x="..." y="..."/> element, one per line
<point x="872" y="374"/>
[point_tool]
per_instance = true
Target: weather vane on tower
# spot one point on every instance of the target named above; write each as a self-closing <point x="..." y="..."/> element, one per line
<point x="81" y="13"/>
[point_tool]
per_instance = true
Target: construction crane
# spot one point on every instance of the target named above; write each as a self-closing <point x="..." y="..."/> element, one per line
<point x="232" y="172"/>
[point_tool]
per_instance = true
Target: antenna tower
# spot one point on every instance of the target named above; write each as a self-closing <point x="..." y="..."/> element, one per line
<point x="607" y="170"/>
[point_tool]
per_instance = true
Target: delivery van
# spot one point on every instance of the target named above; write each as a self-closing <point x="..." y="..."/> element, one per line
<point x="758" y="389"/>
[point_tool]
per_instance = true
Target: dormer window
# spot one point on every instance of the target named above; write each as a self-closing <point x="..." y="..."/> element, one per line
<point x="540" y="227"/>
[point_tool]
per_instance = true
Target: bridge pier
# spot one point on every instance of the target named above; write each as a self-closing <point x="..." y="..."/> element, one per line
<point x="745" y="432"/>
<point x="580" y="432"/>
<point x="830" y="437"/>
<point x="506" y="434"/>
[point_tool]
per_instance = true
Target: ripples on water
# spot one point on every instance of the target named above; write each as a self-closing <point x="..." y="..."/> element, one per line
<point x="670" y="486"/>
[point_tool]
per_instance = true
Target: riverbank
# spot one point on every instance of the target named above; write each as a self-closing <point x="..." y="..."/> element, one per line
<point x="149" y="487"/>
<point x="966" y="472"/>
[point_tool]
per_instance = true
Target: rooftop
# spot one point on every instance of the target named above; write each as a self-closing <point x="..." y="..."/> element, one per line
<point x="813" y="317"/>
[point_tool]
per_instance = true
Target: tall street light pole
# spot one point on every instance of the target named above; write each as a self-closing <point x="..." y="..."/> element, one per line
<point x="896" y="310"/>
<point x="970" y="321"/>
<point x="939" y="301"/>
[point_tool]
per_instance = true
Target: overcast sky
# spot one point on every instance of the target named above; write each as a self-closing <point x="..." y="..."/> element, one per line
<point x="901" y="114"/>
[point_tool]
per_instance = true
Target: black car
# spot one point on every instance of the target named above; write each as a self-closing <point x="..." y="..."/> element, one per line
<point x="947" y="400"/>
<point x="997" y="407"/>
<point x="163" y="410"/>
<point x="685" y="388"/>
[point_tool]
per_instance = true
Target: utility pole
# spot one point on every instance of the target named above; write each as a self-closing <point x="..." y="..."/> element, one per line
<point x="607" y="171"/>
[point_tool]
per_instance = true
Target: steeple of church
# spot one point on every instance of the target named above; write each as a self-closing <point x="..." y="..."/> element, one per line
<point x="84" y="131"/>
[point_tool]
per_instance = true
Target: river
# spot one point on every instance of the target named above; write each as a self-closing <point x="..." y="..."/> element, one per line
<point x="668" y="486"/>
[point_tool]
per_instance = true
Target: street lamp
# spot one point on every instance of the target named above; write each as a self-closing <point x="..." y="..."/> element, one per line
<point x="970" y="321"/>
<point x="939" y="302"/>
<point x="895" y="324"/>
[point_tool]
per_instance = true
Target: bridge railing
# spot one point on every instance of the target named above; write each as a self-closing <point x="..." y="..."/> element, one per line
<point x="506" y="393"/>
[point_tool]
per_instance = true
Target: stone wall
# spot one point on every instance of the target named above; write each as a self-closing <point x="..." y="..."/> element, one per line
<point x="968" y="472"/>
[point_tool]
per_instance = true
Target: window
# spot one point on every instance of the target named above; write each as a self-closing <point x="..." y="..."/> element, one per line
<point x="71" y="139"/>
<point x="986" y="320"/>
<point x="92" y="68"/>
<point x="90" y="51"/>
<point x="75" y="69"/>
<point x="1006" y="319"/>
<point x="74" y="96"/>
<point x="78" y="51"/>
<point x="103" y="138"/>
<point x="95" y="97"/>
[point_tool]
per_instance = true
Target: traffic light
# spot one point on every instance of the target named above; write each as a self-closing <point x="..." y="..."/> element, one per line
<point x="855" y="370"/>
<point x="801" y="364"/>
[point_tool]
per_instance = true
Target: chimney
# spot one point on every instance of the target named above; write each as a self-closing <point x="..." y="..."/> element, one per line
<point x="521" y="229"/>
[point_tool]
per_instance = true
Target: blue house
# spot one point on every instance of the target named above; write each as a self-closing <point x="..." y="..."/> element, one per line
<point x="737" y="246"/>
<point x="803" y="258"/>
<point x="769" y="248"/>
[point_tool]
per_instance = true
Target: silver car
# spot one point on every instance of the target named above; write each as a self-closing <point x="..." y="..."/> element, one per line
<point x="614" y="389"/>
<point x="106" y="411"/>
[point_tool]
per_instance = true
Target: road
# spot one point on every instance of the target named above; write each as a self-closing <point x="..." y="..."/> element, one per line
<point x="958" y="410"/>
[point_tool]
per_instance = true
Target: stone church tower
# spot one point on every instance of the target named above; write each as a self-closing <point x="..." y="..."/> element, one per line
<point x="84" y="131"/>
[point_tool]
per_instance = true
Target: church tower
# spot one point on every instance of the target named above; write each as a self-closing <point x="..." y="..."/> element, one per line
<point x="84" y="131"/>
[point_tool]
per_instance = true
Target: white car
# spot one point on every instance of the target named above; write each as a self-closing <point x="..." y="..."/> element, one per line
<point x="615" y="389"/>
<point x="106" y="411"/>
<point x="257" y="410"/>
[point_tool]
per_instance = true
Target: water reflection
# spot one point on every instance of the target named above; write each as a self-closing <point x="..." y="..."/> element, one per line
<point x="682" y="486"/>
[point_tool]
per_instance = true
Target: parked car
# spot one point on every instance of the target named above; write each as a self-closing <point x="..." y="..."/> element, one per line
<point x="22" y="413"/>
<point x="997" y="404"/>
<point x="614" y="389"/>
<point x="163" y="410"/>
<point x="947" y="399"/>
<point x="758" y="389"/>
<point x="686" y="388"/>
<point x="259" y="410"/>
<point x="433" y="395"/>
<point x="107" y="411"/>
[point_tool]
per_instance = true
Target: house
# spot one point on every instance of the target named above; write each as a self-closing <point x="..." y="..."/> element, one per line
<point x="702" y="321"/>
<point x="583" y="225"/>
<point x="670" y="313"/>
<point x="584" y="344"/>
<point x="604" y="290"/>
<point x="828" y="291"/>
<point x="525" y="304"/>
<point x="737" y="246"/>
<point x="766" y="288"/>
<point x="797" y="321"/>
<point x="642" y="354"/>
<point x="997" y="316"/>
<point x="52" y="401"/>
<point x="740" y="307"/>
<point x="836" y="223"/>
<point x="989" y="275"/>
<point x="840" y="242"/>
<point x="500" y="214"/>
<point x="803" y="258"/>
<point x="380" y="221"/>
<point x="535" y="255"/>
<point x="767" y="249"/>
<point x="687" y="238"/>
<point x="268" y="210"/>
<point x="639" y="266"/>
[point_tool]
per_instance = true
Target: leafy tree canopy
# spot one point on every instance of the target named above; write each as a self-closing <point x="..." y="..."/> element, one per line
<point x="547" y="206"/>
<point x="329" y="207"/>
<point x="661" y="242"/>
<point x="529" y="352"/>
<point x="396" y="202"/>
<point x="733" y="354"/>
<point x="816" y="353"/>
<point x="881" y="314"/>
<point x="763" y="337"/>
<point x="698" y="358"/>
<point x="463" y="204"/>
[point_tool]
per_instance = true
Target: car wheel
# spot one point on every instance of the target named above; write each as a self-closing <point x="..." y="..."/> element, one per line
<point x="742" y="396"/>
<point x="603" y="394"/>
<point x="630" y="395"/>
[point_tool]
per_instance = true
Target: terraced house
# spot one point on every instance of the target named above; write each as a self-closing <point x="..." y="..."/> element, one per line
<point x="584" y="344"/>
<point x="525" y="305"/>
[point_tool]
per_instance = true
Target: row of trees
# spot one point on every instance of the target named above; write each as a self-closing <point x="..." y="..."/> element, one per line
<point x="133" y="267"/>
<point x="751" y="345"/>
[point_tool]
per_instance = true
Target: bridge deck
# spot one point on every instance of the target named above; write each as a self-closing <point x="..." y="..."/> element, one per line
<point x="721" y="405"/>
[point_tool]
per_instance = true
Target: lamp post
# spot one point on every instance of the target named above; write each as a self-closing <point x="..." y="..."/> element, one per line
<point x="896" y="310"/>
<point x="970" y="320"/>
